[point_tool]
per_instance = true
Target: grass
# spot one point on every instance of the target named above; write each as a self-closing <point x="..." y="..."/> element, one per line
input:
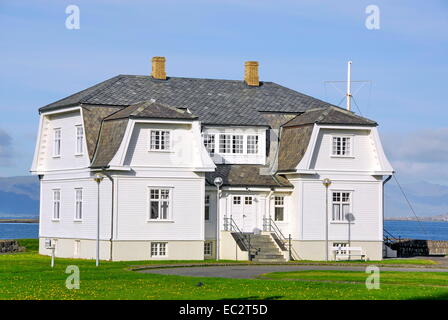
<point x="29" y="276"/>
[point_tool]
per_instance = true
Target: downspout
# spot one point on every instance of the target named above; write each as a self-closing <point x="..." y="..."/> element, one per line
<point x="111" y="213"/>
<point x="268" y="204"/>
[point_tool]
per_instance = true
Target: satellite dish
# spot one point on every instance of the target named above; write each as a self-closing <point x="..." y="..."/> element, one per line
<point x="349" y="217"/>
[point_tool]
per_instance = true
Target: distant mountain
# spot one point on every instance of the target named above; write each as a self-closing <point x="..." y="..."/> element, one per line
<point x="438" y="218"/>
<point x="427" y="199"/>
<point x="19" y="197"/>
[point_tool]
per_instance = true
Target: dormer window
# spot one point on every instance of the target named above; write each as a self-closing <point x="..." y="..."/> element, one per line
<point x="79" y="140"/>
<point x="57" y="142"/>
<point x="342" y="146"/>
<point x="159" y="140"/>
<point x="231" y="143"/>
<point x="209" y="143"/>
<point x="252" y="144"/>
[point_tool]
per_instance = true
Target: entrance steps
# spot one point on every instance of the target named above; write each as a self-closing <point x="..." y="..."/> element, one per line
<point x="264" y="249"/>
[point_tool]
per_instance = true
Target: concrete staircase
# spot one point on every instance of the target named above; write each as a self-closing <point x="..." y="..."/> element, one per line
<point x="264" y="249"/>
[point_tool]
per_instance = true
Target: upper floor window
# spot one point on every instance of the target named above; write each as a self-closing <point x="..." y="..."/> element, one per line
<point x="159" y="204"/>
<point x="78" y="204"/>
<point x="341" y="205"/>
<point x="79" y="139"/>
<point x="342" y="146"/>
<point x="207" y="207"/>
<point x="159" y="140"/>
<point x="231" y="143"/>
<point x="57" y="142"/>
<point x="56" y="204"/>
<point x="209" y="142"/>
<point x="279" y="208"/>
<point x="252" y="144"/>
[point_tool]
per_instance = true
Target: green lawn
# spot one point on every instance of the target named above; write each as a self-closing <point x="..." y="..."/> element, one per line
<point x="28" y="276"/>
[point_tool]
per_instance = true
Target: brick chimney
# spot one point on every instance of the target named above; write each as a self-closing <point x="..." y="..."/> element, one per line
<point x="158" y="68"/>
<point x="251" y="73"/>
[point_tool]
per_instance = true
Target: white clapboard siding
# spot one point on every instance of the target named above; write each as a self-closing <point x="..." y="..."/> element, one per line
<point x="364" y="154"/>
<point x="187" y="202"/>
<point x="68" y="159"/>
<point x="67" y="227"/>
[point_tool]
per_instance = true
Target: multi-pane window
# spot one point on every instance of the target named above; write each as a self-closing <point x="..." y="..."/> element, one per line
<point x="229" y="143"/>
<point x="79" y="139"/>
<point x="248" y="200"/>
<point x="237" y="144"/>
<point x="279" y="208"/>
<point x="209" y="142"/>
<point x="78" y="204"/>
<point x="342" y="146"/>
<point x="340" y="245"/>
<point x="56" y="204"/>
<point x="158" y="249"/>
<point x="207" y="207"/>
<point x="159" y="204"/>
<point x="341" y="205"/>
<point x="57" y="142"/>
<point x="225" y="143"/>
<point x="208" y="248"/>
<point x="159" y="140"/>
<point x="236" y="200"/>
<point x="252" y="144"/>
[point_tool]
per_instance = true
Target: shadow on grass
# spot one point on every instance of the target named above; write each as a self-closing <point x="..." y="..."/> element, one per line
<point x="443" y="296"/>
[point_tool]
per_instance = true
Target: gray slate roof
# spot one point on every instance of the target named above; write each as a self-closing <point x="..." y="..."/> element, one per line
<point x="245" y="175"/>
<point x="221" y="102"/>
<point x="330" y="115"/>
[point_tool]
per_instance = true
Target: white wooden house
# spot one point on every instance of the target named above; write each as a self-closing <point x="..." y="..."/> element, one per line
<point x="161" y="141"/>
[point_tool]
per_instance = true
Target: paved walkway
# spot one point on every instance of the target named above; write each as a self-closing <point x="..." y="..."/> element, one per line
<point x="250" y="272"/>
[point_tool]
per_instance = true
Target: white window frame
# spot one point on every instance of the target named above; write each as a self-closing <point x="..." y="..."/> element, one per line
<point x="78" y="204"/>
<point x="230" y="143"/>
<point x="340" y="203"/>
<point x="57" y="142"/>
<point x="207" y="207"/>
<point x="252" y="144"/>
<point x="248" y="200"/>
<point x="169" y="216"/>
<point x="236" y="200"/>
<point x="159" y="249"/>
<point x="208" y="248"/>
<point x="209" y="141"/>
<point x="79" y="131"/>
<point x="162" y="142"/>
<point x="333" y="148"/>
<point x="56" y="204"/>
<point x="279" y="202"/>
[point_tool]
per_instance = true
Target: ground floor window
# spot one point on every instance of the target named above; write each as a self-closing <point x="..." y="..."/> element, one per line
<point x="340" y="246"/>
<point x="341" y="205"/>
<point x="208" y="248"/>
<point x="77" y="248"/>
<point x="207" y="207"/>
<point x="279" y="208"/>
<point x="158" y="249"/>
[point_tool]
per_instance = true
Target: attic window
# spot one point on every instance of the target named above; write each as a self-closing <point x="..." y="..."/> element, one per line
<point x="159" y="140"/>
<point x="342" y="146"/>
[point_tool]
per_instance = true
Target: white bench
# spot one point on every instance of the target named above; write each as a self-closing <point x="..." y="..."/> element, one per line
<point x="345" y="253"/>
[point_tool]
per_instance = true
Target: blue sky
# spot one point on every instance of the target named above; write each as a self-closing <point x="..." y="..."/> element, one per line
<point x="299" y="44"/>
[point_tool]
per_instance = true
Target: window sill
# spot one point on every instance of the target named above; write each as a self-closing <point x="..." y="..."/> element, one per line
<point x="341" y="222"/>
<point x="344" y="157"/>
<point x="155" y="221"/>
<point x="56" y="157"/>
<point x="79" y="154"/>
<point x="77" y="220"/>
<point x="55" y="220"/>
<point x="161" y="151"/>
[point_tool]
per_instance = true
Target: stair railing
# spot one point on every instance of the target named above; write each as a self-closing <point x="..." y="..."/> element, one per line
<point x="269" y="225"/>
<point x="230" y="225"/>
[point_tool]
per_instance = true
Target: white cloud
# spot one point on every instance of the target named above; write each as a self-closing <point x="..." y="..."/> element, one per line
<point x="419" y="155"/>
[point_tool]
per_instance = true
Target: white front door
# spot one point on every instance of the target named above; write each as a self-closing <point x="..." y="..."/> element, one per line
<point x="244" y="210"/>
